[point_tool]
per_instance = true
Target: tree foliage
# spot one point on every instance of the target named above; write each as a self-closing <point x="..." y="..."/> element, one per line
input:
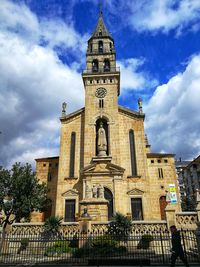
<point x="189" y="203"/>
<point x="21" y="185"/>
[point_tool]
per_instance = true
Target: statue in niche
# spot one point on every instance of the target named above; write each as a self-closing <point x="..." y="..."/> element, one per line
<point x="100" y="191"/>
<point x="88" y="192"/>
<point x="94" y="191"/>
<point x="102" y="142"/>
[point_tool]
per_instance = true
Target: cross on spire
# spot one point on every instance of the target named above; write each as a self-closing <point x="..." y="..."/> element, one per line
<point x="101" y="7"/>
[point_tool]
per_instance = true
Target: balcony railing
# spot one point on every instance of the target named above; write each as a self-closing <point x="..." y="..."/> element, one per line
<point x="101" y="70"/>
<point x="101" y="51"/>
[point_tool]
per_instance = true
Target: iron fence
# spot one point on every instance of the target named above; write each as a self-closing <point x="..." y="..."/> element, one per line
<point x="92" y="247"/>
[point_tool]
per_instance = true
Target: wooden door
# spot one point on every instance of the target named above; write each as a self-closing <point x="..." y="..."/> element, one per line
<point x="163" y="204"/>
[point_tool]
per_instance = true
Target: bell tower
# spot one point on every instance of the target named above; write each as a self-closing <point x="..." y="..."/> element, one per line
<point x="101" y="80"/>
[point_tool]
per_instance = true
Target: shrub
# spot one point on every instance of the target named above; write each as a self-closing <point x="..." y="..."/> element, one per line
<point x="81" y="252"/>
<point x="58" y="247"/>
<point x="104" y="241"/>
<point x="74" y="242"/>
<point x="145" y="241"/>
<point x="23" y="245"/>
<point x="100" y="246"/>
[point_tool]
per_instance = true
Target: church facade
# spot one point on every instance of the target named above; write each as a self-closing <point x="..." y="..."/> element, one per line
<point x="105" y="163"/>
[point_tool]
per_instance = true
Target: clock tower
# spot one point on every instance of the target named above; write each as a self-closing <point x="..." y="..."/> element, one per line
<point x="102" y="87"/>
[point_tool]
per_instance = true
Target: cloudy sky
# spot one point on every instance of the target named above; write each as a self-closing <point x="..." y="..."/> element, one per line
<point x="42" y="54"/>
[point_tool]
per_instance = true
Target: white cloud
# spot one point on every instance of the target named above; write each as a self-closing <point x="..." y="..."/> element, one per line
<point x="18" y="18"/>
<point x="172" y="114"/>
<point x="34" y="83"/>
<point x="20" y="21"/>
<point x="132" y="77"/>
<point x="157" y="15"/>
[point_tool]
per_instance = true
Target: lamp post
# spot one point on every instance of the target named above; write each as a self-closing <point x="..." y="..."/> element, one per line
<point x="7" y="207"/>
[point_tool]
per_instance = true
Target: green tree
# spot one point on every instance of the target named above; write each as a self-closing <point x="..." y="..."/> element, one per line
<point x="23" y="193"/>
<point x="189" y="203"/>
<point x="120" y="226"/>
<point x="20" y="194"/>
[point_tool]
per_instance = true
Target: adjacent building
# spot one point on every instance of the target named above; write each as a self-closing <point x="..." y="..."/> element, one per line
<point x="180" y="165"/>
<point x="189" y="178"/>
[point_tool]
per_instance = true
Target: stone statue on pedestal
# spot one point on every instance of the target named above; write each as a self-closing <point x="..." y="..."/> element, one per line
<point x="88" y="192"/>
<point x="101" y="191"/>
<point x="94" y="191"/>
<point x="102" y="142"/>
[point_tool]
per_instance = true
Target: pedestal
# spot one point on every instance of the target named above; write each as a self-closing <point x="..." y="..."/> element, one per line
<point x="197" y="232"/>
<point x="170" y="214"/>
<point x="198" y="211"/>
<point x="96" y="207"/>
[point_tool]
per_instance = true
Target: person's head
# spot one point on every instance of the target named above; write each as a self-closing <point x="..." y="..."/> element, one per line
<point x="173" y="228"/>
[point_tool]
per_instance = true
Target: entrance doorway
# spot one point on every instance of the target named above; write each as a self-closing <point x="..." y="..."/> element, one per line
<point x="109" y="196"/>
<point x="163" y="204"/>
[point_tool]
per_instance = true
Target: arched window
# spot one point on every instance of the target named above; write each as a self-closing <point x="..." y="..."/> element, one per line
<point x="106" y="65"/>
<point x="90" y="48"/>
<point x="100" y="32"/>
<point x="132" y="153"/>
<point x="136" y="209"/>
<point x="105" y="127"/>
<point x="72" y="154"/>
<point x="100" y="46"/>
<point x="109" y="196"/>
<point x="95" y="65"/>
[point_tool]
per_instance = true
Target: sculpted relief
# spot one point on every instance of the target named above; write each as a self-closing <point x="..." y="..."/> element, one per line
<point x="97" y="191"/>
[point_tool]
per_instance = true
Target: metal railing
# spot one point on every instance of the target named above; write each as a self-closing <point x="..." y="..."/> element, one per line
<point x="100" y="51"/>
<point x="96" y="248"/>
<point x="101" y="70"/>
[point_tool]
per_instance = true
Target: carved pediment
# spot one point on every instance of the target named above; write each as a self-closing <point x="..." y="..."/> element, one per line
<point x="103" y="168"/>
<point x="135" y="191"/>
<point x="89" y="168"/>
<point x="113" y="167"/>
<point x="70" y="192"/>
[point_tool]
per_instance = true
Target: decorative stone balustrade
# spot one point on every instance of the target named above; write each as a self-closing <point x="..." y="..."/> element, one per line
<point x="37" y="228"/>
<point x="186" y="220"/>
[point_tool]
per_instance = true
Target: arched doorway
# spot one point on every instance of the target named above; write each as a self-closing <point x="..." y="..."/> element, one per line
<point x="109" y="196"/>
<point x="163" y="204"/>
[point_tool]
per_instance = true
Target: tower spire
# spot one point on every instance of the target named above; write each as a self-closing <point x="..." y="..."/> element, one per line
<point x="101" y="30"/>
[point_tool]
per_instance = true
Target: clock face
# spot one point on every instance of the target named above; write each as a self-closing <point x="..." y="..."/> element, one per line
<point x="101" y="92"/>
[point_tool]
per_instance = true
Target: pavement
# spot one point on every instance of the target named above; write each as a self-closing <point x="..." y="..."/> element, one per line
<point x="67" y="265"/>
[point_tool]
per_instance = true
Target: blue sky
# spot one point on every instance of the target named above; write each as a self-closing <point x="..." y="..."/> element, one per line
<point x="43" y="45"/>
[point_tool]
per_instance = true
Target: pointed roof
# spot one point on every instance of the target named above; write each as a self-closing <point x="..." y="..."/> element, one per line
<point x="101" y="27"/>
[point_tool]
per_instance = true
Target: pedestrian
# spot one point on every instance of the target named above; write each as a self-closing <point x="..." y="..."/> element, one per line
<point x="177" y="249"/>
